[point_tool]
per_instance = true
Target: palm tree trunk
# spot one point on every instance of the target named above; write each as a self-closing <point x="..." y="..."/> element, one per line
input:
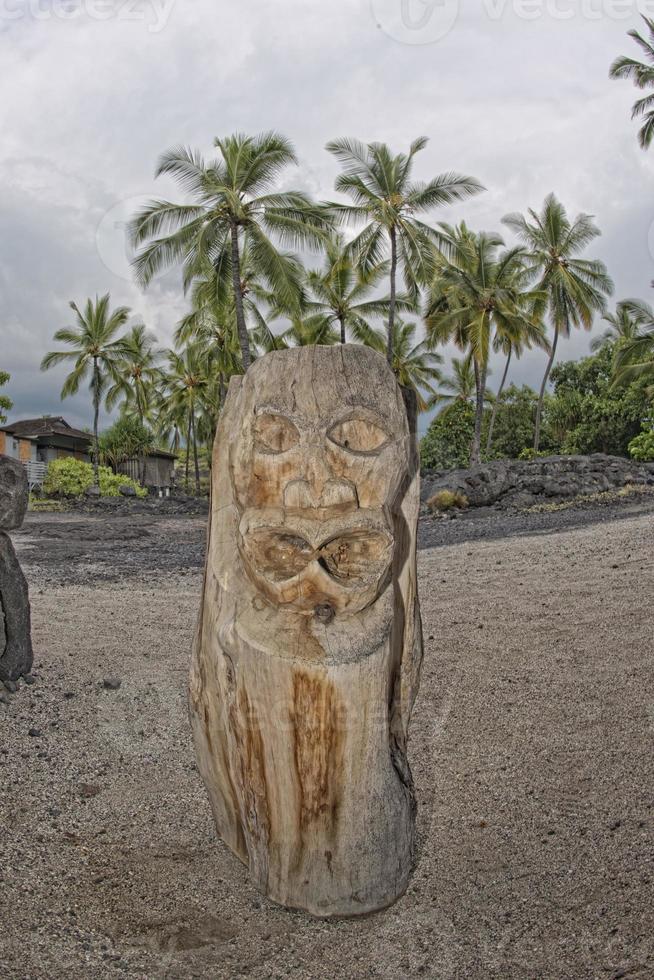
<point x="541" y="397"/>
<point x="195" y="460"/>
<point x="342" y="323"/>
<point x="141" y="460"/>
<point x="489" y="441"/>
<point x="96" y="414"/>
<point x="243" y="338"/>
<point x="188" y="444"/>
<point x="391" y="305"/>
<point x="480" y="384"/>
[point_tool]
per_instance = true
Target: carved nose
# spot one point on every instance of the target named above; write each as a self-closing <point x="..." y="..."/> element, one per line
<point x="301" y="495"/>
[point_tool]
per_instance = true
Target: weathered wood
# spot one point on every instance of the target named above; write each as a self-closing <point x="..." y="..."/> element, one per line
<point x="307" y="655"/>
<point x="15" y="635"/>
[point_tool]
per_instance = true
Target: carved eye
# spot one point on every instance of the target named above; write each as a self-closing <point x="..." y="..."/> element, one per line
<point x="354" y="557"/>
<point x="277" y="555"/>
<point x="275" y="434"/>
<point x="359" y="436"/>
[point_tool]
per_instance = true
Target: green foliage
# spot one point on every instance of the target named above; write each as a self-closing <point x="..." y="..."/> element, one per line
<point x="588" y="414"/>
<point x="127" y="438"/>
<point x="514" y="422"/>
<point x="5" y="402"/>
<point x="642" y="75"/>
<point x="446" y="446"/>
<point x="642" y="447"/>
<point x="67" y="478"/>
<point x="71" y="477"/>
<point x="446" y="500"/>
<point x="110" y="484"/>
<point x="529" y="454"/>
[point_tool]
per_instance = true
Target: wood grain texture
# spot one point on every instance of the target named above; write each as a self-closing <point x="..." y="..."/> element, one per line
<point x="307" y="657"/>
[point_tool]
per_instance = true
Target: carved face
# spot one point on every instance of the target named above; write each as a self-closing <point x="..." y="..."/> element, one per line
<point x="13" y="493"/>
<point x="322" y="451"/>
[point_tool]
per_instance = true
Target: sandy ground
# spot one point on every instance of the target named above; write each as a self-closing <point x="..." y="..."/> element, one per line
<point x="532" y="751"/>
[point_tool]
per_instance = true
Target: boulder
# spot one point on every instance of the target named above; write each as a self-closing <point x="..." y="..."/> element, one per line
<point x="509" y="483"/>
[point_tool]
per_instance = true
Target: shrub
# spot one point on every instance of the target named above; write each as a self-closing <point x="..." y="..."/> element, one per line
<point x="127" y="438"/>
<point x="67" y="478"/>
<point x="71" y="477"/>
<point x="110" y="483"/>
<point x="528" y="454"/>
<point x="642" y="447"/>
<point x="447" y="500"/>
<point x="446" y="446"/>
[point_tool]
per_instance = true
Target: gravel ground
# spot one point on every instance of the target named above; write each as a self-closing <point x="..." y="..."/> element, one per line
<point x="531" y="750"/>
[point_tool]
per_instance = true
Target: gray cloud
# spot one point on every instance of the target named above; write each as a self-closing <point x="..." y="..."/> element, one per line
<point x="523" y="104"/>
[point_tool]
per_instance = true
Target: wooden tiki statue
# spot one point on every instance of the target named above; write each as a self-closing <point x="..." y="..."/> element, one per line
<point x="308" y="650"/>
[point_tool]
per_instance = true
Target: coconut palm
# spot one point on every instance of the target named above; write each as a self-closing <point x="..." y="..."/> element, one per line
<point x="634" y="356"/>
<point x="642" y="75"/>
<point x="576" y="288"/>
<point x="303" y="331"/>
<point x="233" y="208"/>
<point x="95" y="349"/>
<point x="511" y="340"/>
<point x="414" y="364"/>
<point x="341" y="292"/>
<point x="184" y="384"/>
<point x="459" y="386"/>
<point x="623" y="326"/>
<point x="387" y="201"/>
<point x="137" y="374"/>
<point x="480" y="293"/>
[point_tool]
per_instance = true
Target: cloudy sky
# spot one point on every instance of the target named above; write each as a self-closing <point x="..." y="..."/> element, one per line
<point x="513" y="92"/>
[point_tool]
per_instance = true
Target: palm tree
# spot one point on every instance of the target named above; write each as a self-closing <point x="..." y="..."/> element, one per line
<point x="341" y="292"/>
<point x="388" y="202"/>
<point x="414" y="364"/>
<point x="136" y="377"/>
<point x="459" y="386"/>
<point x="478" y="294"/>
<point x="303" y="331"/>
<point x="576" y="288"/>
<point x="233" y="208"/>
<point x="642" y="76"/>
<point x="96" y="351"/>
<point x="634" y="356"/>
<point x="623" y="326"/>
<point x="512" y="343"/>
<point x="185" y="382"/>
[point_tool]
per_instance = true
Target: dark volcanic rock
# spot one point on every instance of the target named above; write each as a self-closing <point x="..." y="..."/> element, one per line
<point x="519" y="483"/>
<point x="15" y="630"/>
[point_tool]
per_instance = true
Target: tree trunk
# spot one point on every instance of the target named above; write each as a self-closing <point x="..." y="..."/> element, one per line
<point x="141" y="460"/>
<point x="302" y="687"/>
<point x="342" y="323"/>
<point x="541" y="397"/>
<point x="188" y="444"/>
<point x="391" y="305"/>
<point x="195" y="459"/>
<point x="489" y="441"/>
<point x="96" y="414"/>
<point x="243" y="337"/>
<point x="480" y="385"/>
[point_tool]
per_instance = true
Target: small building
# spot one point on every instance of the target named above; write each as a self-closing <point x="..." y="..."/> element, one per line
<point x="42" y="440"/>
<point x="159" y="469"/>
